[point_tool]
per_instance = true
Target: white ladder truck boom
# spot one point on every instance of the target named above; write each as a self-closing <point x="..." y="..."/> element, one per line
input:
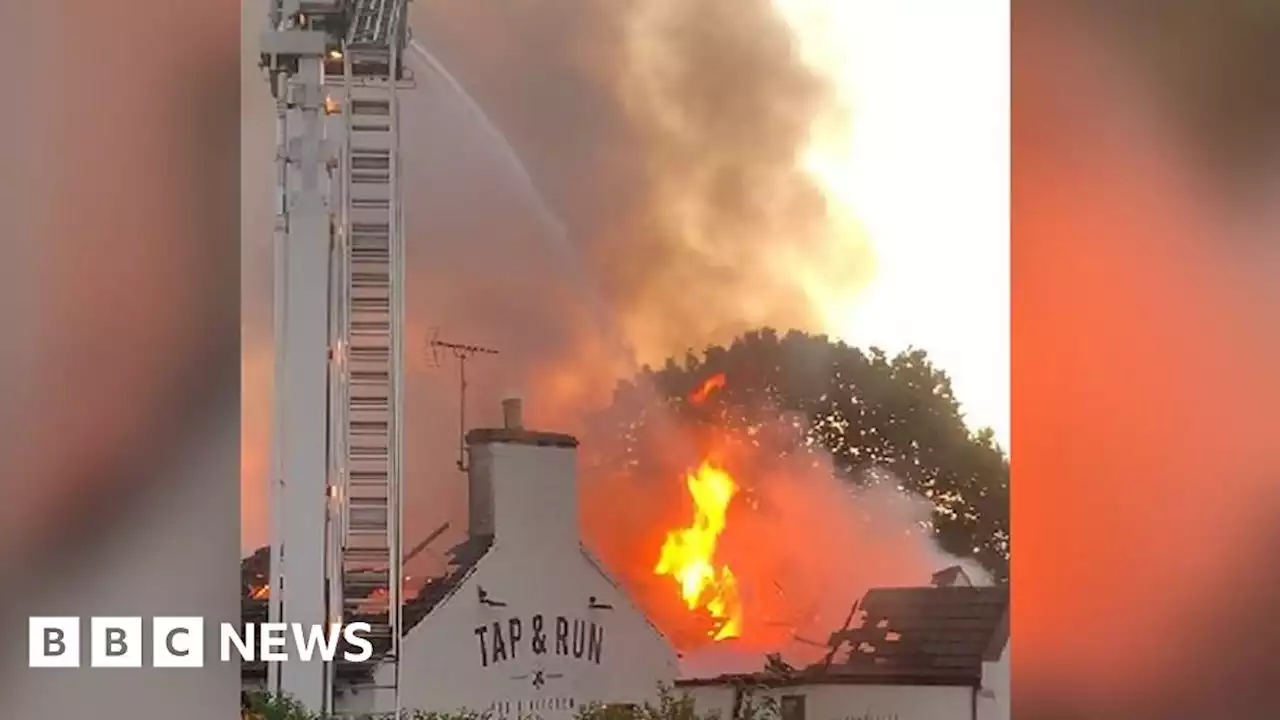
<point x="337" y="545"/>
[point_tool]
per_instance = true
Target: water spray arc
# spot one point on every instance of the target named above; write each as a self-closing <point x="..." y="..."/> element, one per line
<point x="337" y="543"/>
<point x="548" y="220"/>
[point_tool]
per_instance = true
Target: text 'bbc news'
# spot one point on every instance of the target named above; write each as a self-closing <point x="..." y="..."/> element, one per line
<point x="178" y="642"/>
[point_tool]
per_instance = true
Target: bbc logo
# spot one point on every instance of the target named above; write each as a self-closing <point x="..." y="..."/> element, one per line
<point x="116" y="642"/>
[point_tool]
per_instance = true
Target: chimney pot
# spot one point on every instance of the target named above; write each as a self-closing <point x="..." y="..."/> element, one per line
<point x="512" y="414"/>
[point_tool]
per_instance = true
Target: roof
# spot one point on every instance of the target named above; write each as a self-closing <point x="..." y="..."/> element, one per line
<point x="463" y="559"/>
<point x="817" y="676"/>
<point x="954" y="575"/>
<point x="907" y="636"/>
<point x="599" y="567"/>
<point x="934" y="630"/>
<point x="520" y="436"/>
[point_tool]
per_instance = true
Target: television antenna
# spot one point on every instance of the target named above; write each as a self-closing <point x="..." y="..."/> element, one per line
<point x="462" y="353"/>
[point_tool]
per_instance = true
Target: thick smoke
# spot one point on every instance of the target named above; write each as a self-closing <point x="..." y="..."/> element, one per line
<point x="802" y="543"/>
<point x="666" y="136"/>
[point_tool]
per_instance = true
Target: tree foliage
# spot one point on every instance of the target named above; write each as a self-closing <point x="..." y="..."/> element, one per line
<point x="671" y="705"/>
<point x="876" y="416"/>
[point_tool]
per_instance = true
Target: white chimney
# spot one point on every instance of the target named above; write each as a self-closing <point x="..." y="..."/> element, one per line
<point x="523" y="485"/>
<point x="513" y="414"/>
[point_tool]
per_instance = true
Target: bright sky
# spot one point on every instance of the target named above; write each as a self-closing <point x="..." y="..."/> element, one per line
<point x="923" y="168"/>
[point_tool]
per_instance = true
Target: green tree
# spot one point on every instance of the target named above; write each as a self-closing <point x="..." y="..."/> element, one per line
<point x="876" y="416"/>
<point x="266" y="706"/>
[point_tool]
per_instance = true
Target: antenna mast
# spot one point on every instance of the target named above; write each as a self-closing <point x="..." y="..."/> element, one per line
<point x="462" y="353"/>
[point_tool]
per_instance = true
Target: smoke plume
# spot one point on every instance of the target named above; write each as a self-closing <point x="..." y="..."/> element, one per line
<point x="801" y="543"/>
<point x="666" y="136"/>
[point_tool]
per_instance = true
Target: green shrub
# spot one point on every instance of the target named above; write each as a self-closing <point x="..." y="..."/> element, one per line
<point x="669" y="705"/>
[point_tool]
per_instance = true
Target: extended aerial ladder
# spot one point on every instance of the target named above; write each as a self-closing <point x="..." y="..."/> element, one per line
<point x="337" y="545"/>
<point x="372" y="331"/>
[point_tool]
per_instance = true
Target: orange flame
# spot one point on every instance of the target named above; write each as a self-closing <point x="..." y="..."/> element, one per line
<point x="688" y="555"/>
<point x="704" y="391"/>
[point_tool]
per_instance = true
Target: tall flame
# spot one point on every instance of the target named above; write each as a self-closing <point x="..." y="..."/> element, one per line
<point x="688" y="555"/>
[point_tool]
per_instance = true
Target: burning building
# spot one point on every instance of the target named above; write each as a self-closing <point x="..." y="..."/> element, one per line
<point x="526" y="621"/>
<point x="935" y="653"/>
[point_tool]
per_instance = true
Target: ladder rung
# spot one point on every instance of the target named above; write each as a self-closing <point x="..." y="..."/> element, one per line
<point x="370" y="107"/>
<point x="380" y="396"/>
<point x="369" y="555"/>
<point x="382" y="499"/>
<point x="369" y="477"/>
<point x="369" y="503"/>
<point x="367" y="520"/>
<point x="362" y="376"/>
<point x="367" y="578"/>
<point x="372" y="553"/>
<point x="369" y="429"/>
<point x="370" y="404"/>
<point x="370" y="163"/>
<point x="372" y="493"/>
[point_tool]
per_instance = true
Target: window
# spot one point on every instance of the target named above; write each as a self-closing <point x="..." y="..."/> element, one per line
<point x="792" y="707"/>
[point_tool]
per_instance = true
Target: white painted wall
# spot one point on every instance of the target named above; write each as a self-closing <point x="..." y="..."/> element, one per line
<point x="994" y="702"/>
<point x="853" y="702"/>
<point x="539" y="569"/>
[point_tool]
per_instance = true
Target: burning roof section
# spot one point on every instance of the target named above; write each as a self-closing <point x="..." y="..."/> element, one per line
<point x="903" y="636"/>
<point x="463" y="559"/>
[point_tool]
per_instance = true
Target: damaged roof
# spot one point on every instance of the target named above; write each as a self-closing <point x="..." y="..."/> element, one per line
<point x="937" y="636"/>
<point x="463" y="559"/>
<point x="932" y="631"/>
<point x="954" y="575"/>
